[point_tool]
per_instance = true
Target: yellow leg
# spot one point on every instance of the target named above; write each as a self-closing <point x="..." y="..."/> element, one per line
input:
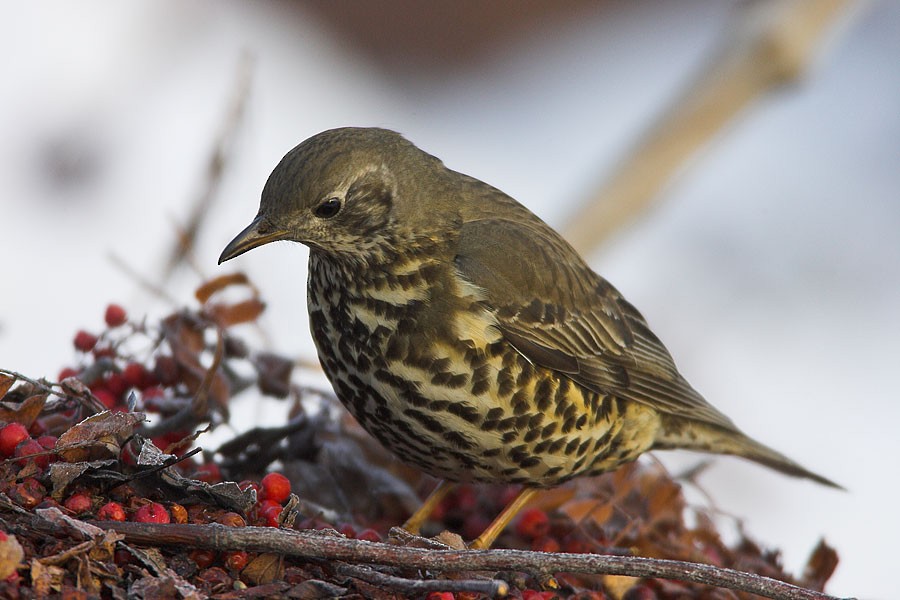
<point x="487" y="537"/>
<point x="414" y="523"/>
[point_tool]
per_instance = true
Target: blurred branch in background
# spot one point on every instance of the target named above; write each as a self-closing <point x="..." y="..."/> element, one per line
<point x="772" y="43"/>
<point x="218" y="161"/>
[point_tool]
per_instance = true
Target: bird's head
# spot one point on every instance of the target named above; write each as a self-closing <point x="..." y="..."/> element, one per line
<point x="348" y="191"/>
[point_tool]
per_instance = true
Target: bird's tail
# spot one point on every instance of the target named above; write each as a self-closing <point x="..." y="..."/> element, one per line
<point x="694" y="435"/>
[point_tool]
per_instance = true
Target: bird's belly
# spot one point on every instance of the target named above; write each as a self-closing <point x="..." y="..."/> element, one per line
<point x="474" y="409"/>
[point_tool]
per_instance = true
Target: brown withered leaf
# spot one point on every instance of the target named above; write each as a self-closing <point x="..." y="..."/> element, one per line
<point x="26" y="412"/>
<point x="451" y="540"/>
<point x="820" y="566"/>
<point x="76" y="528"/>
<point x="62" y="474"/>
<point x="98" y="436"/>
<point x="46" y="578"/>
<point x="226" y="315"/>
<point x="265" y="568"/>
<point x="217" y="284"/>
<point x="226" y="494"/>
<point x="105" y="545"/>
<point x="11" y="554"/>
<point x="6" y="382"/>
<point x="588" y="508"/>
<point x="273" y="373"/>
<point x="664" y="499"/>
<point x="185" y="334"/>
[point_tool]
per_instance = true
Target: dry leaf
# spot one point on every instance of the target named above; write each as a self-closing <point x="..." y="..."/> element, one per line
<point x="226" y="315"/>
<point x="205" y="291"/>
<point x="265" y="568"/>
<point x="598" y="511"/>
<point x="26" y="412"/>
<point x="98" y="436"/>
<point x="63" y="474"/>
<point x="46" y="578"/>
<point x="273" y="374"/>
<point x="11" y="554"/>
<point x="6" y="382"/>
<point x="820" y="566"/>
<point x="617" y="585"/>
<point x="185" y="334"/>
<point x="453" y="540"/>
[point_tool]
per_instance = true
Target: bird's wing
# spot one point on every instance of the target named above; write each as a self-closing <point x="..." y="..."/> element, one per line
<point x="561" y="315"/>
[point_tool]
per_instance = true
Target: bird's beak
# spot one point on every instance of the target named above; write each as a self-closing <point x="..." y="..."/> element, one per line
<point x="256" y="234"/>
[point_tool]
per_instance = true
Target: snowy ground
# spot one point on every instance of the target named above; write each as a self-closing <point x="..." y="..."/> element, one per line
<point x="771" y="267"/>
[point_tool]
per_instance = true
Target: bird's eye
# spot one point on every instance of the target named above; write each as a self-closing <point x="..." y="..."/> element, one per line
<point x="328" y="209"/>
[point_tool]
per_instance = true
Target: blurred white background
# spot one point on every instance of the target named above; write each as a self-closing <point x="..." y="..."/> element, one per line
<point x="770" y="267"/>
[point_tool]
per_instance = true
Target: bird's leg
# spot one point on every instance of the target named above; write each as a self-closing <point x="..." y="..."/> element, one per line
<point x="487" y="537"/>
<point x="414" y="523"/>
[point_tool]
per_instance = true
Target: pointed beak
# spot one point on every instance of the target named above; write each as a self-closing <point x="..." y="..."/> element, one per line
<point x="256" y="234"/>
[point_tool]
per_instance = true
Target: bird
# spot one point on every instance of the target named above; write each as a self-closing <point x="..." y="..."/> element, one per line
<point x="466" y="335"/>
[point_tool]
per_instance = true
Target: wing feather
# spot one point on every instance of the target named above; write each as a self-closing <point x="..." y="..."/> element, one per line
<point x="561" y="315"/>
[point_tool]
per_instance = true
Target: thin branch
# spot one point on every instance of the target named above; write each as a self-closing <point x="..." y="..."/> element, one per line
<point x="772" y="43"/>
<point x="313" y="544"/>
<point x="218" y="162"/>
<point x="493" y="588"/>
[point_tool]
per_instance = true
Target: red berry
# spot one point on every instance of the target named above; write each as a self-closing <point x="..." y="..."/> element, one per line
<point x="106" y="397"/>
<point x="545" y="544"/>
<point x="348" y="530"/>
<point x="152" y="513"/>
<point x="153" y="399"/>
<point x="134" y="375"/>
<point x="276" y="487"/>
<point x="104" y="352"/>
<point x="85" y="341"/>
<point x="78" y="503"/>
<point x="209" y="473"/>
<point x="538" y="595"/>
<point x="270" y="515"/>
<point x="115" y="315"/>
<point x="111" y="511"/>
<point x="115" y="383"/>
<point x="369" y="535"/>
<point x="440" y="596"/>
<point x="533" y="523"/>
<point x="29" y="448"/>
<point x="66" y="373"/>
<point x="11" y="436"/>
<point x="203" y="557"/>
<point x="236" y="560"/>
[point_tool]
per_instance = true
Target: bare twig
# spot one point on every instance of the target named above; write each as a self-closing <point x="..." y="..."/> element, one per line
<point x="773" y="44"/>
<point x="313" y="544"/>
<point x="493" y="588"/>
<point x="218" y="161"/>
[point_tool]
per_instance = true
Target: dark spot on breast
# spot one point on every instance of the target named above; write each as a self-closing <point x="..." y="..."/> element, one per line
<point x="548" y="430"/>
<point x="494" y="413"/>
<point x="464" y="411"/>
<point x="506" y="424"/>
<point x="427" y="421"/>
